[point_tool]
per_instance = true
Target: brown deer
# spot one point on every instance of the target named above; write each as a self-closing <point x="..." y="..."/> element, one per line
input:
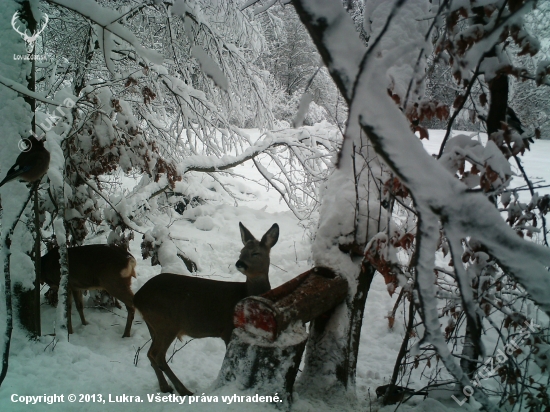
<point x="176" y="305"/>
<point x="100" y="267"/>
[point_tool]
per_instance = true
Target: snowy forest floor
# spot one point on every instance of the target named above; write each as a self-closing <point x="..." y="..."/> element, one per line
<point x="98" y="361"/>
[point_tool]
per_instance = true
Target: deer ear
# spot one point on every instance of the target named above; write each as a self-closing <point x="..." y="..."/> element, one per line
<point x="246" y="236"/>
<point x="271" y="236"/>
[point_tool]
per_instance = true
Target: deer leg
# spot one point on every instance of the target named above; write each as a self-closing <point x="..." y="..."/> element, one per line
<point x="131" y="311"/>
<point x="77" y="294"/>
<point x="152" y="355"/>
<point x="159" y="356"/>
<point x="124" y="294"/>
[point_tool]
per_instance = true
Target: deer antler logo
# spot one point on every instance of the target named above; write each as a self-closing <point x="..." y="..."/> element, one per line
<point x="28" y="39"/>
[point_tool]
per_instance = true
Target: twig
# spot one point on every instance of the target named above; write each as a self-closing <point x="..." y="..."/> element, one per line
<point x="532" y="191"/>
<point x="459" y="109"/>
<point x="53" y="342"/>
<point x="402" y="351"/>
<point x="177" y="350"/>
<point x="273" y="264"/>
<point x="136" y="356"/>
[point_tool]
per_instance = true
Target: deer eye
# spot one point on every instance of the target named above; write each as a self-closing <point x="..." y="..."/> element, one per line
<point x="255" y="254"/>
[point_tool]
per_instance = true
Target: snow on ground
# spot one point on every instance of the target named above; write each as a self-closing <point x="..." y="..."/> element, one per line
<point x="97" y="361"/>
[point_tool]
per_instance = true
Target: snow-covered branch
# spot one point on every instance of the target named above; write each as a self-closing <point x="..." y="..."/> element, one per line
<point x="108" y="19"/>
<point x="438" y="196"/>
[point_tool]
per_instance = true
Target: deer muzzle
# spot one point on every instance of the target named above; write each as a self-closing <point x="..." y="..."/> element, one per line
<point x="241" y="266"/>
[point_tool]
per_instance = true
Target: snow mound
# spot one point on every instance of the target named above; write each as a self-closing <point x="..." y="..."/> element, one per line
<point x="204" y="223"/>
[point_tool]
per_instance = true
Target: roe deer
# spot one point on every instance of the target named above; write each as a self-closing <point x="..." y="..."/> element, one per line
<point x="93" y="267"/>
<point x="176" y="305"/>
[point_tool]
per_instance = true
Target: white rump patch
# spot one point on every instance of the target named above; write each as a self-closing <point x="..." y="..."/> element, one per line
<point x="129" y="270"/>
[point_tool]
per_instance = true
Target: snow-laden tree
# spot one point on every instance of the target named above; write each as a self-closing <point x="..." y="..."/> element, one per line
<point x="296" y="68"/>
<point x="158" y="92"/>
<point x="167" y="110"/>
<point x="531" y="103"/>
<point x="383" y="85"/>
<point x="17" y="120"/>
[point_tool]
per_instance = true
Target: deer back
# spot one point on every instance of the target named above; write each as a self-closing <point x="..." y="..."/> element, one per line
<point x="90" y="266"/>
<point x="189" y="305"/>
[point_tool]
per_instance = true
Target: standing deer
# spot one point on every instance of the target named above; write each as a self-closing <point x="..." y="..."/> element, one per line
<point x="93" y="267"/>
<point x="175" y="305"/>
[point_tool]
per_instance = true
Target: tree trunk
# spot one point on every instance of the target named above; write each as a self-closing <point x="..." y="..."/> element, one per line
<point x="323" y="346"/>
<point x="263" y="367"/>
<point x="333" y="344"/>
<point x="63" y="315"/>
<point x="28" y="300"/>
<point x="7" y="290"/>
<point x="269" y="339"/>
<point x="498" y="87"/>
<point x="54" y="146"/>
<point x="470" y="349"/>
